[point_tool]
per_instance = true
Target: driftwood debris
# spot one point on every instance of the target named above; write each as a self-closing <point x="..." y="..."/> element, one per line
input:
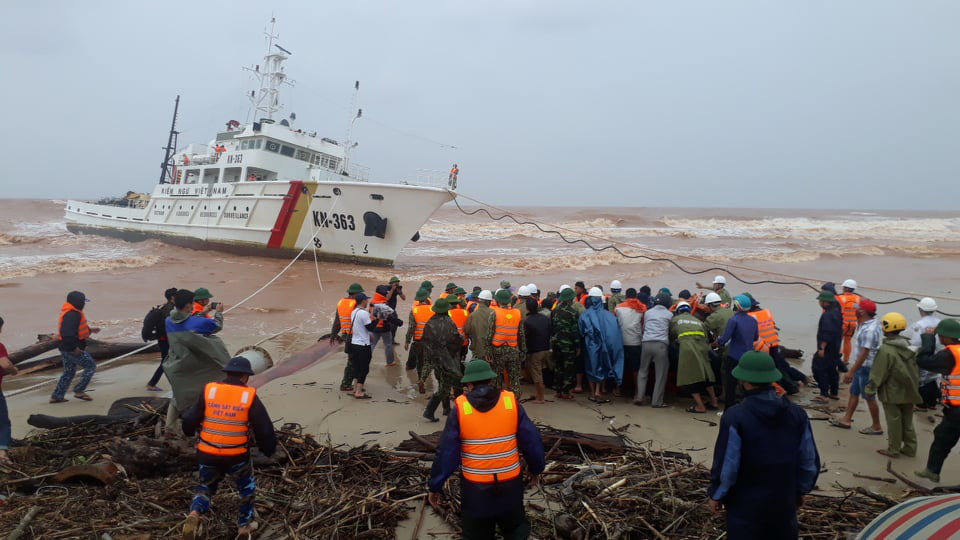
<point x="104" y="472"/>
<point x="122" y="410"/>
<point x="99" y="350"/>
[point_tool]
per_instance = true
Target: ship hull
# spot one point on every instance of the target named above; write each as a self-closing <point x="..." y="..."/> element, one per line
<point x="355" y="222"/>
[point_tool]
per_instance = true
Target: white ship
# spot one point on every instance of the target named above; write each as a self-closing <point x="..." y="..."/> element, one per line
<point x="268" y="188"/>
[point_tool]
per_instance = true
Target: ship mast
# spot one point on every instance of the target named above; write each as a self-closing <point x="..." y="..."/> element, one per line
<point x="266" y="100"/>
<point x="171" y="143"/>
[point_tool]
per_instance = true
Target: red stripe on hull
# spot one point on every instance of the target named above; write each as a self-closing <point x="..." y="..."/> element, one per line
<point x="286" y="212"/>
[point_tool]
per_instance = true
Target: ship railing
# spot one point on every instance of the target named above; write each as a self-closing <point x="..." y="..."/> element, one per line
<point x="430" y="178"/>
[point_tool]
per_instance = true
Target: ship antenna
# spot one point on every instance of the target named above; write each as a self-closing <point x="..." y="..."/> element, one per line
<point x="350" y="143"/>
<point x="171" y="143"/>
<point x="271" y="77"/>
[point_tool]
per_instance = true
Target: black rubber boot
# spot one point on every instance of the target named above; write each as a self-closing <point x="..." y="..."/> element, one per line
<point x="446" y="406"/>
<point x="431" y="409"/>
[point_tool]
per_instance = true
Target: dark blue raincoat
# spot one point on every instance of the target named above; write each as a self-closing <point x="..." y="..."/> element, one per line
<point x="602" y="342"/>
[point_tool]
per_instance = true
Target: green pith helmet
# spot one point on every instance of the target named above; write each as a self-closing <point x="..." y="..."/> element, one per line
<point x="440" y="306"/>
<point x="566" y="295"/>
<point x="454" y="301"/>
<point x="478" y="370"/>
<point x="949" y="328"/>
<point x="757" y="367"/>
<point x="426" y="285"/>
<point x="354" y="288"/>
<point x="450" y="286"/>
<point x="503" y="296"/>
<point x="202" y="294"/>
<point x="422" y="295"/>
<point x="460" y="290"/>
<point x="504" y="284"/>
<point x="394" y="279"/>
<point x="827" y="296"/>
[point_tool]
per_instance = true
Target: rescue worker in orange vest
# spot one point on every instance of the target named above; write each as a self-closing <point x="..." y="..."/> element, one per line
<point x="769" y="342"/>
<point x="73" y="332"/>
<point x="848" y="301"/>
<point x="473" y="300"/>
<point x="459" y="314"/>
<point x="505" y="342"/>
<point x="224" y="416"/>
<point x="581" y="290"/>
<point x="343" y="330"/>
<point x="202" y="305"/>
<point x="420" y="313"/>
<point x="427" y="286"/>
<point x="449" y="290"/>
<point x="484" y="438"/>
<point x="454" y="172"/>
<point x="946" y="362"/>
<point x="461" y="295"/>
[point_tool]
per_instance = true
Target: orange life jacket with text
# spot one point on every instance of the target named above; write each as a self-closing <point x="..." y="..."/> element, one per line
<point x="226" y="420"/>
<point x="767" y="328"/>
<point x="506" y="326"/>
<point x="848" y="306"/>
<point x="421" y="314"/>
<point x="950" y="385"/>
<point x="488" y="440"/>
<point x="83" y="330"/>
<point x="344" y="312"/>
<point x="459" y="316"/>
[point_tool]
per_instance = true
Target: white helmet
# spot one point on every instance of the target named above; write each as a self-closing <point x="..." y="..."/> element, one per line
<point x="615" y="285"/>
<point x="485" y="295"/>
<point x="720" y="279"/>
<point x="850" y="284"/>
<point x="595" y="292"/>
<point x="562" y="287"/>
<point x="681" y="304"/>
<point x="523" y="291"/>
<point x="713" y="298"/>
<point x="927" y="304"/>
<point x="533" y="288"/>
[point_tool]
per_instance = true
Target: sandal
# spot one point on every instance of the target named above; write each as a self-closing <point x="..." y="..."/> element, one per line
<point x="346" y="388"/>
<point x="83" y="396"/>
<point x="693" y="409"/>
<point x="592" y="398"/>
<point x="836" y="423"/>
<point x="365" y="396"/>
<point x="870" y="431"/>
<point x="601" y="400"/>
<point x="58" y="400"/>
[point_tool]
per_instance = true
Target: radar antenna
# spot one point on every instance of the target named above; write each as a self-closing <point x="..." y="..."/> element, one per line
<point x="271" y="77"/>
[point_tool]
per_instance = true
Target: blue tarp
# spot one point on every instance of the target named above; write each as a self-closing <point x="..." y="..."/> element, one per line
<point x="602" y="342"/>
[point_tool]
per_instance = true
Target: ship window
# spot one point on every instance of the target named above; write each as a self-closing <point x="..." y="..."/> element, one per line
<point x="287" y="151"/>
<point x="316" y="159"/>
<point x="273" y="146"/>
<point x="257" y="143"/>
<point x="304" y="156"/>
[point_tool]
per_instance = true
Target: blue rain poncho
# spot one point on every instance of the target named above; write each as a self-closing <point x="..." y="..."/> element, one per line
<point x="602" y="342"/>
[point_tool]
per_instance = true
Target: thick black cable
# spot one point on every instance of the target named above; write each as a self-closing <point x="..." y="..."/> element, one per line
<point x="660" y="259"/>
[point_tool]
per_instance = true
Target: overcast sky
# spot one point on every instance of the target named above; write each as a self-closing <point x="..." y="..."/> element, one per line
<point x="669" y="103"/>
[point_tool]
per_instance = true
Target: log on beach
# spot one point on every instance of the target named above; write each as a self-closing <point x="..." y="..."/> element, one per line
<point x="122" y="410"/>
<point x="99" y="350"/>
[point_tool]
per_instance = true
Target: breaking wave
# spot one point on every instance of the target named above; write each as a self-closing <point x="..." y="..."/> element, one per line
<point x="13" y="239"/>
<point x="865" y="228"/>
<point x="28" y="266"/>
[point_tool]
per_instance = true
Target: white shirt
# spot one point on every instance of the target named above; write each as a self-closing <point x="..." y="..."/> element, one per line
<point x="917" y="328"/>
<point x="360" y="318"/>
<point x="631" y="325"/>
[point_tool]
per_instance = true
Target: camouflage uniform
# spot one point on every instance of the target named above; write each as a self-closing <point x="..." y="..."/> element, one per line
<point x="506" y="357"/>
<point x="615" y="300"/>
<point x="565" y="344"/>
<point x="441" y="345"/>
<point x="478" y="324"/>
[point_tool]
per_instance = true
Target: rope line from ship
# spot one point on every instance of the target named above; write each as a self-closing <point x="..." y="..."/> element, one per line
<point x="312" y="242"/>
<point x="669" y="257"/>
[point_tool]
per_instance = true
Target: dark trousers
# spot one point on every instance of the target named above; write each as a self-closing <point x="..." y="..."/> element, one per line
<point x="513" y="526"/>
<point x="945" y="437"/>
<point x="729" y="383"/>
<point x="780" y="361"/>
<point x="930" y="392"/>
<point x="360" y="356"/>
<point x="826" y="374"/>
<point x="164" y="349"/>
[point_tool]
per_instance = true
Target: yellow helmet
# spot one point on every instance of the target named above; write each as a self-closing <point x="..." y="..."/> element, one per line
<point x="893" y="321"/>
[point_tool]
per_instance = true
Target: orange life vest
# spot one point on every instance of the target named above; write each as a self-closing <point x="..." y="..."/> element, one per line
<point x="421" y="302"/>
<point x="488" y="440"/>
<point x="226" y="420"/>
<point x="767" y="328"/>
<point x="344" y="312"/>
<point x="444" y="294"/>
<point x="950" y="385"/>
<point x="506" y="326"/>
<point x="848" y="306"/>
<point x="472" y="305"/>
<point x="197" y="308"/>
<point x="583" y="299"/>
<point x="459" y="316"/>
<point x="421" y="314"/>
<point x="83" y="331"/>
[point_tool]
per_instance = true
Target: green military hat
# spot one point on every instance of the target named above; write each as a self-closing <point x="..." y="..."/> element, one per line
<point x="757" y="367"/>
<point x="454" y="301"/>
<point x="503" y="296"/>
<point x="450" y="285"/>
<point x="504" y="284"/>
<point x="827" y="296"/>
<point x="949" y="328"/>
<point x="426" y="285"/>
<point x="202" y="294"/>
<point x="478" y="370"/>
<point x="422" y="294"/>
<point x="567" y="294"/>
<point x="460" y="290"/>
<point x="440" y="306"/>
<point x="394" y="279"/>
<point x="354" y="288"/>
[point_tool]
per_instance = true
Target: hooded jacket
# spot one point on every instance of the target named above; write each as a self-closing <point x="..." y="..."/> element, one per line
<point x="485" y="500"/>
<point x="765" y="458"/>
<point x="894" y="377"/>
<point x="602" y="342"/>
<point x="478" y="324"/>
<point x="70" y="327"/>
<point x="196" y="357"/>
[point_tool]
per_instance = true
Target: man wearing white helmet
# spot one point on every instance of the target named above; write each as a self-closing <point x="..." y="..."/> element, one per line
<point x="616" y="297"/>
<point x="848" y="301"/>
<point x="523" y="293"/>
<point x="929" y="381"/>
<point x="720" y="287"/>
<point x="716" y="323"/>
<point x="603" y="345"/>
<point x="478" y="323"/>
